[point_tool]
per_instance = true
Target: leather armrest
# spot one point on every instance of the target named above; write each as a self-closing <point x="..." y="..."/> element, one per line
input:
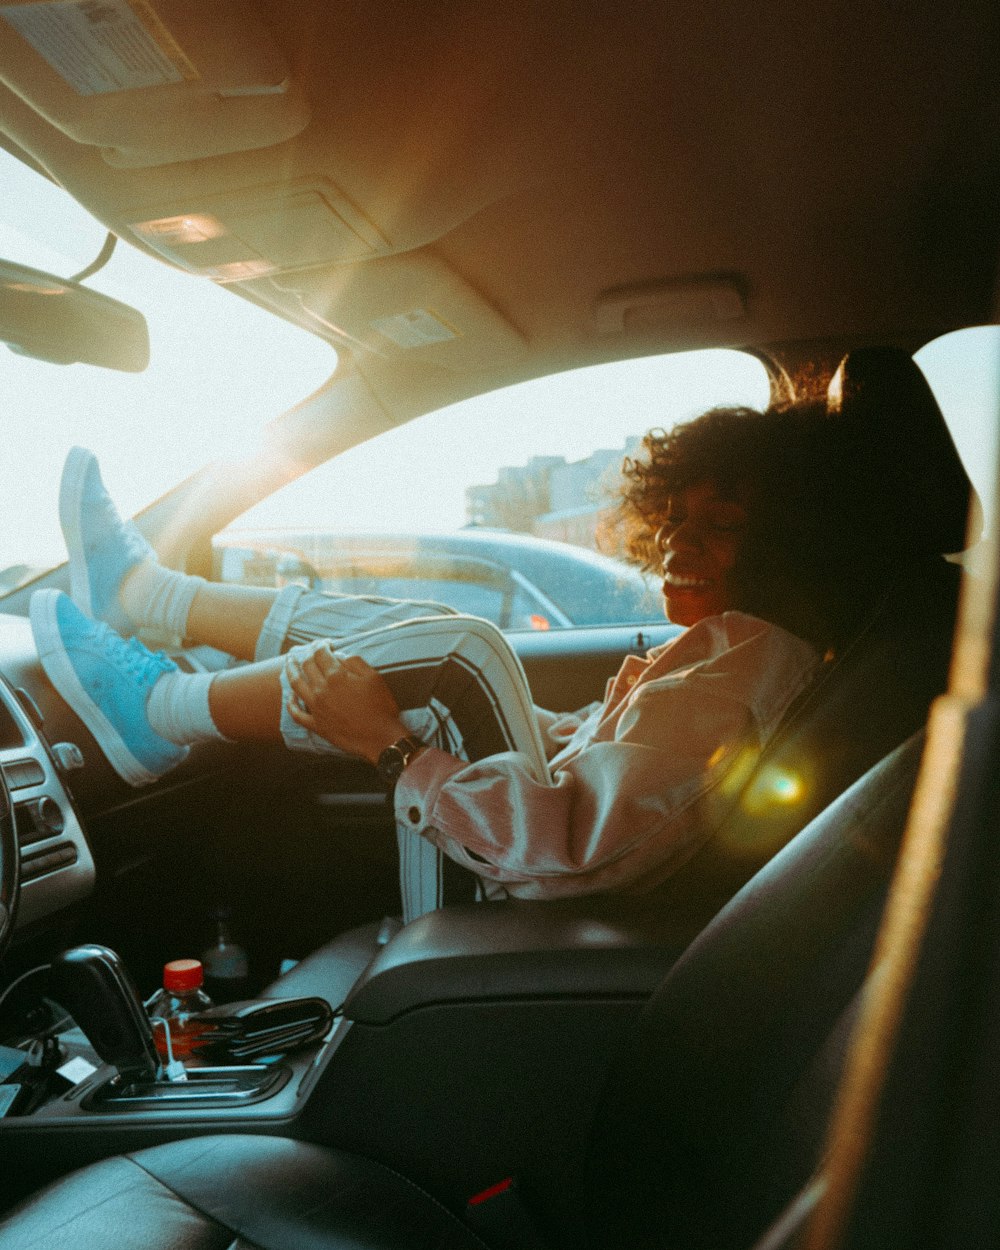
<point x="493" y="951"/>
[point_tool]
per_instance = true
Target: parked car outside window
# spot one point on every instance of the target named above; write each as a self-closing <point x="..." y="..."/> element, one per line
<point x="516" y="581"/>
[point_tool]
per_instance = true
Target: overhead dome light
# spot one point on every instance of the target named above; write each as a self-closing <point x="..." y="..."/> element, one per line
<point x="185" y="229"/>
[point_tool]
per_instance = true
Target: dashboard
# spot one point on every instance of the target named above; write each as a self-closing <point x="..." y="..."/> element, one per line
<point x="58" y="780"/>
<point x="56" y="862"/>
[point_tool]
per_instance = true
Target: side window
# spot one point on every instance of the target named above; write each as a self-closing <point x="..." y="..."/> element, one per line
<point x="517" y="480"/>
<point x="963" y="369"/>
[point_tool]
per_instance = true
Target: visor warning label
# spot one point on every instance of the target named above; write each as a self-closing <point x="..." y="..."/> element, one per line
<point x="99" y="46"/>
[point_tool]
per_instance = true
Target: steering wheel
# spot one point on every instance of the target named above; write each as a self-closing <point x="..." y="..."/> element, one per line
<point x="10" y="866"/>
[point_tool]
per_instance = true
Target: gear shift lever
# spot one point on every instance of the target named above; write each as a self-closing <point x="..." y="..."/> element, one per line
<point x="94" y="986"/>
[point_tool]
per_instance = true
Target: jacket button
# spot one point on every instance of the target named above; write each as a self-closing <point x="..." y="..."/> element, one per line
<point x="414" y="815"/>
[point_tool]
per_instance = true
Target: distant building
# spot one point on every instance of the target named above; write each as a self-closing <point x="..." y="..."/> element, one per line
<point x="550" y="497"/>
<point x="518" y="496"/>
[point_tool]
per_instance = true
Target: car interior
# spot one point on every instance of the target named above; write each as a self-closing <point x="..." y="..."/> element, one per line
<point x="789" y="1042"/>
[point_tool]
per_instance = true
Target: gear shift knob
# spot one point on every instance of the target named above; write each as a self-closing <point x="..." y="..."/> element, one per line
<point x="94" y="986"/>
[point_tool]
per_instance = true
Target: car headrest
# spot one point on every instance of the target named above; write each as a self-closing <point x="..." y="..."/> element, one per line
<point x="903" y="446"/>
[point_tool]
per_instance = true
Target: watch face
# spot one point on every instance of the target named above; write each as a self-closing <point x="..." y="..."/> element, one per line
<point x="394" y="759"/>
<point x="390" y="764"/>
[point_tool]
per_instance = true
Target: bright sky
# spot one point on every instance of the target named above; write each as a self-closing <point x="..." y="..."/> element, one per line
<point x="222" y="368"/>
<point x="422" y="468"/>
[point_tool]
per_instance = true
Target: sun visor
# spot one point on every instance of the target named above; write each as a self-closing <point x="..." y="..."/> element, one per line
<point x="412" y="307"/>
<point x="151" y="82"/>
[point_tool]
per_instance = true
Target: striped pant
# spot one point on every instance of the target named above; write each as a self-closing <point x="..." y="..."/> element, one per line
<point x="457" y="683"/>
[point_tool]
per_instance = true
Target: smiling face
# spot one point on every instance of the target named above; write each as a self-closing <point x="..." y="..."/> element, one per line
<point x="700" y="539"/>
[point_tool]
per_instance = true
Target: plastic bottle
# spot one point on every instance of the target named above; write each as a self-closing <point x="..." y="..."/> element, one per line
<point x="181" y="998"/>
<point x="227" y="969"/>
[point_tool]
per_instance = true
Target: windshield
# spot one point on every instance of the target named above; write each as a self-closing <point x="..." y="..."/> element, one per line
<point x="220" y="369"/>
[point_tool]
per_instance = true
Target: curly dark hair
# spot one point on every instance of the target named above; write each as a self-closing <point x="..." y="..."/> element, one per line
<point x="813" y="559"/>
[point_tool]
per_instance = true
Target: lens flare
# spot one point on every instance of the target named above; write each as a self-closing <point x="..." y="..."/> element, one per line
<point x="773" y="785"/>
<point x="786" y="787"/>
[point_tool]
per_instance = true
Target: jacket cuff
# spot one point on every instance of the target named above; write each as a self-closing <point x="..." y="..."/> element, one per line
<point x="419" y="785"/>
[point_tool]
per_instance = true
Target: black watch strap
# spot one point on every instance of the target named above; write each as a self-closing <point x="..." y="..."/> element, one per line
<point x="395" y="758"/>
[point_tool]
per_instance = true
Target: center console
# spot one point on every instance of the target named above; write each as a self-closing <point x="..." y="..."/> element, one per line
<point x="214" y="1098"/>
<point x="476" y="1040"/>
<point x="104" y="1089"/>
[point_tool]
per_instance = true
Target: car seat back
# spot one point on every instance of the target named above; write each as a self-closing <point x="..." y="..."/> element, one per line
<point x="873" y="695"/>
<point x="714" y="1113"/>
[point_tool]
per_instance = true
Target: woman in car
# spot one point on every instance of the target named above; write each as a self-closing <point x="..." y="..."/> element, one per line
<point x="765" y="559"/>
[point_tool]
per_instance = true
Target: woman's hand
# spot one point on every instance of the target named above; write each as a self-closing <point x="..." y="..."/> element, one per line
<point x="345" y="701"/>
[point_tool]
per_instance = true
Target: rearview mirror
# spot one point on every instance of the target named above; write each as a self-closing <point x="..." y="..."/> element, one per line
<point x="59" y="320"/>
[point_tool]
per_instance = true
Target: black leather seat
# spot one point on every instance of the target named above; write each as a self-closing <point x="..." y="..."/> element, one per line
<point x="716" y="1116"/>
<point x="710" y="1121"/>
<point x="223" y="1191"/>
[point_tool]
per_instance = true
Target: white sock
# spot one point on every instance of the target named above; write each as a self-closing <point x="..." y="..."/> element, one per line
<point x="178" y="709"/>
<point x="159" y="598"/>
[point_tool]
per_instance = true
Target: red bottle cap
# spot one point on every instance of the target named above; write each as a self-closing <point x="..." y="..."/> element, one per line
<point x="183" y="974"/>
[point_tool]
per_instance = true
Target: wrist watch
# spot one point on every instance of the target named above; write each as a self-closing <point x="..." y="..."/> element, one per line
<point x="395" y="758"/>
